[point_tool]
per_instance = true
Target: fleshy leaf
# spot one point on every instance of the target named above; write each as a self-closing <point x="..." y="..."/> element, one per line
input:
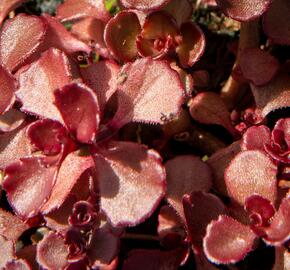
<point x="6" y="251"/>
<point x="185" y="174"/>
<point x="192" y="46"/>
<point x="255" y="138"/>
<point x="279" y="230"/>
<point x="219" y="161"/>
<point x="58" y="219"/>
<point x="13" y="145"/>
<point x="58" y="37"/>
<point x="276" y="24"/>
<point x="143" y="259"/>
<point x="11" y="120"/>
<point x="7" y="87"/>
<point x="144" y="4"/>
<point x="52" y="253"/>
<point x="104" y="248"/>
<point x="83" y="215"/>
<point x="209" y="108"/>
<point x="151" y="91"/>
<point x="48" y="136"/>
<point x="120" y="35"/>
<point x="279" y="147"/>
<point x="28" y="185"/>
<point x="102" y="78"/>
<point x="71" y="169"/>
<point x="227" y="240"/>
<point x="159" y="35"/>
<point x="244" y="10"/>
<point x="38" y="82"/>
<point x="260" y="210"/>
<point x="170" y="227"/>
<point x="7" y="6"/>
<point x="15" y="47"/>
<point x="282" y="259"/>
<point x="91" y="31"/>
<point x="181" y="10"/>
<point x="17" y="265"/>
<point x="200" y="208"/>
<point x="258" y="66"/>
<point x="281" y="132"/>
<point x="131" y="181"/>
<point x="28" y="253"/>
<point x="11" y="226"/>
<point x="79" y="9"/>
<point x="251" y="172"/>
<point x="79" y="109"/>
<point x="275" y="95"/>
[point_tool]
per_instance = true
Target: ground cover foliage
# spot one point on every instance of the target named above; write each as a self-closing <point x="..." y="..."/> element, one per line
<point x="144" y="134"/>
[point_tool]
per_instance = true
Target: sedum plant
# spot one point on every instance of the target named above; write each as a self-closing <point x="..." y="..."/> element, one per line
<point x="123" y="147"/>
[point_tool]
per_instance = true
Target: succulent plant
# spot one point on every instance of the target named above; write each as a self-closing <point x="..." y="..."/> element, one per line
<point x="116" y="124"/>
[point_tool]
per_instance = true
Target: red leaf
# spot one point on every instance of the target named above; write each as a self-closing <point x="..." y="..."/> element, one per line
<point x="13" y="146"/>
<point x="281" y="132"/>
<point x="11" y="120"/>
<point x="219" y="161"/>
<point x="186" y="79"/>
<point x="104" y="248"/>
<point x="275" y="95"/>
<point x="170" y="227"/>
<point x="251" y="172"/>
<point x="59" y="37"/>
<point x="39" y="80"/>
<point x="227" y="240"/>
<point x="14" y="54"/>
<point x="120" y="35"/>
<point x="17" y="265"/>
<point x="84" y="215"/>
<point x="52" y="253"/>
<point x="48" y="136"/>
<point x="7" y="87"/>
<point x="71" y="169"/>
<point x="258" y="66"/>
<point x="279" y="230"/>
<point x="255" y="138"/>
<point x="28" y="253"/>
<point x="210" y="3"/>
<point x="102" y="78"/>
<point x="58" y="219"/>
<point x="185" y="174"/>
<point x="7" y="6"/>
<point x="209" y="108"/>
<point x="91" y="31"/>
<point x="282" y="258"/>
<point x="276" y="24"/>
<point x="143" y="259"/>
<point x="244" y="10"/>
<point x="192" y="46"/>
<point x="150" y="92"/>
<point x="79" y="109"/>
<point x="28" y="185"/>
<point x="159" y="35"/>
<point x="200" y="208"/>
<point x="11" y="226"/>
<point x="132" y="182"/>
<point x="181" y="10"/>
<point x="144" y="4"/>
<point x="260" y="211"/>
<point x="78" y="9"/>
<point x="6" y="251"/>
